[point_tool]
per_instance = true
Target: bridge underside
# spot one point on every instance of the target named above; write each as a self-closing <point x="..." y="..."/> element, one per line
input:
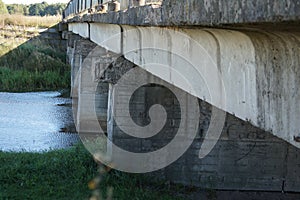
<point x="251" y="74"/>
<point x="234" y="87"/>
<point x="244" y="158"/>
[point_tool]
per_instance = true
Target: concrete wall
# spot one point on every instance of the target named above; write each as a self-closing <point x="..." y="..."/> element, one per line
<point x="245" y="157"/>
<point x="250" y="74"/>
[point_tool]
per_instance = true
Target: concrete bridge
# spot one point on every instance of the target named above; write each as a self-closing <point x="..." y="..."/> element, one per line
<point x="225" y="73"/>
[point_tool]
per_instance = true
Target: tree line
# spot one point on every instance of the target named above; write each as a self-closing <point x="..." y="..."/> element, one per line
<point x="37" y="9"/>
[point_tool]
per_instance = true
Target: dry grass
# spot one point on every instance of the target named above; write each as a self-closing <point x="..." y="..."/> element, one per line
<point x="29" y="21"/>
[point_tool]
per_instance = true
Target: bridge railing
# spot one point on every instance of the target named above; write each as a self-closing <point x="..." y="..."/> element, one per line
<point x="78" y="6"/>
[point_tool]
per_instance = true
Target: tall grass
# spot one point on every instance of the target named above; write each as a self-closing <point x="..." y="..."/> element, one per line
<point x="33" y="67"/>
<point x="29" y="21"/>
<point x="31" y="62"/>
<point x="24" y="80"/>
<point x="34" y="55"/>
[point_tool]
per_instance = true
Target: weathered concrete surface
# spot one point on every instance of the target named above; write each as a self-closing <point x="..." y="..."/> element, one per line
<point x="250" y="70"/>
<point x="201" y="13"/>
<point x="251" y="74"/>
<point x="82" y="29"/>
<point x="245" y="157"/>
<point x="78" y="50"/>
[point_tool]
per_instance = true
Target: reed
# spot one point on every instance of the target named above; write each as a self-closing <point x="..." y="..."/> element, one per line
<point x="29" y="21"/>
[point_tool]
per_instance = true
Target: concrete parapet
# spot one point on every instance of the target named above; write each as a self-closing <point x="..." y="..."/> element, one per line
<point x="200" y="13"/>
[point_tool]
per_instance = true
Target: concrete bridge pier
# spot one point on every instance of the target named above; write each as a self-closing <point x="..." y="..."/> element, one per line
<point x="249" y="55"/>
<point x="244" y="158"/>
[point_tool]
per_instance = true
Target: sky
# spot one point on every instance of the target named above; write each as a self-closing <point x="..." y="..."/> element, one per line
<point x="33" y="1"/>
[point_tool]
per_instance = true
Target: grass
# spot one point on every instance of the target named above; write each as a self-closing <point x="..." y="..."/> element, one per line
<point x="69" y="174"/>
<point x="29" y="21"/>
<point x="33" y="66"/>
<point x="24" y="80"/>
<point x="30" y="62"/>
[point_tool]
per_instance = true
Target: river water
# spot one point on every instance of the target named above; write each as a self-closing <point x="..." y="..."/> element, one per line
<point x="37" y="121"/>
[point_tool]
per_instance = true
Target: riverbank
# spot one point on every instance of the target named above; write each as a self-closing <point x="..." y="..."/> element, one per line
<point x="32" y="54"/>
<point x="69" y="174"/>
<point x="28" y="81"/>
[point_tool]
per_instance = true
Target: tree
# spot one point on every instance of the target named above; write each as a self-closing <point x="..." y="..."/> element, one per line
<point x="25" y="10"/>
<point x="55" y="9"/>
<point x="3" y="9"/>
<point x="37" y="9"/>
<point x="16" y="8"/>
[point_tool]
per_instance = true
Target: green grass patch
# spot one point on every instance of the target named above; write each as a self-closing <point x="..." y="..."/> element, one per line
<point x="35" y="65"/>
<point x="65" y="174"/>
<point x="34" y="55"/>
<point x="25" y="80"/>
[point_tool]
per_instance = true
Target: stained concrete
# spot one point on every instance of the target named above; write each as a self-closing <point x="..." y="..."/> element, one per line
<point x="252" y="74"/>
<point x="245" y="157"/>
<point x="200" y="13"/>
<point x="257" y="55"/>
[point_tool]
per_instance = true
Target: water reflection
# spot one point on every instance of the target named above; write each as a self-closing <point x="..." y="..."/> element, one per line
<point x="34" y="121"/>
